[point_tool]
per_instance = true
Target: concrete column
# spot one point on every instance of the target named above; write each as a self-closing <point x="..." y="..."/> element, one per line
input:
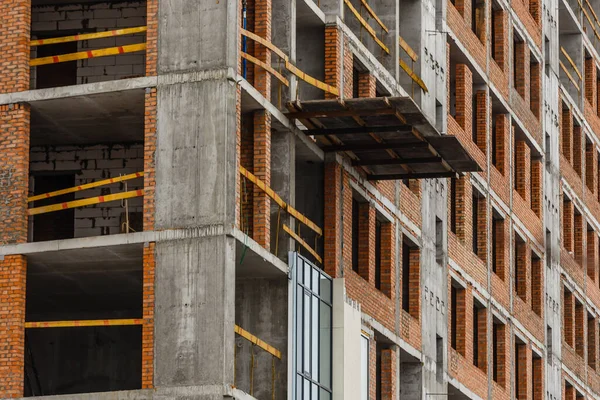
<point x="283" y="171"/>
<point x="284" y="37"/>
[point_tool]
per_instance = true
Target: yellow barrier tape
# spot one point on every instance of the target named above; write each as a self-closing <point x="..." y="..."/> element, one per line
<point x="413" y="75"/>
<point x="375" y="17"/>
<point x="366" y="25"/>
<point x="79" y="323"/>
<point x="82" y="55"/>
<point x="280" y="202"/>
<point x="255" y="340"/>
<point x="88" y="36"/>
<point x="302" y="243"/>
<point x="85" y="202"/>
<point x="266" y="67"/>
<point x="568" y="75"/>
<point x="406" y="47"/>
<point x="85" y="186"/>
<point x="562" y="49"/>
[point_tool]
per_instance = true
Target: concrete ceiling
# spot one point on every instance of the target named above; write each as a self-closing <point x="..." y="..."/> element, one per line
<point x="114" y="117"/>
<point x="84" y="283"/>
<point x="35" y="3"/>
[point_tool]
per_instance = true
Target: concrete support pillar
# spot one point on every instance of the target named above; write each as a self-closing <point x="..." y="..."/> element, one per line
<point x="14" y="172"/>
<point x="283" y="171"/>
<point x="411" y="381"/>
<point x="284" y="37"/>
<point x="261" y="212"/>
<point x="464" y="94"/>
<point x="14" y="46"/>
<point x="13" y="270"/>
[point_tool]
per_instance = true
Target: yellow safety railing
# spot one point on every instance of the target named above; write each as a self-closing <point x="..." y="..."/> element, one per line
<point x="287" y="64"/>
<point x="87" y="201"/>
<point x="366" y="25"/>
<point x="410" y="70"/>
<point x="575" y="82"/>
<point x="256" y="342"/>
<point x="81" y="55"/>
<point x="290" y="210"/>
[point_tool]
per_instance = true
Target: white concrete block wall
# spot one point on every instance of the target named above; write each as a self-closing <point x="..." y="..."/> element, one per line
<point x="91" y="164"/>
<point x="89" y="18"/>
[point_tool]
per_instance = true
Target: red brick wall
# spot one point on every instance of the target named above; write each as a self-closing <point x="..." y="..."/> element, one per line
<point x="577" y="149"/>
<point x="521" y="66"/>
<point x="388" y="259"/>
<point x="261" y="212"/>
<point x="14" y="46"/>
<point x="149" y="265"/>
<point x="591" y="79"/>
<point x="366" y="85"/>
<point x="481" y="116"/>
<point x="523" y="169"/>
<point x="262" y="27"/>
<point x="149" y="158"/>
<point x="579" y="329"/>
<point x="388" y="374"/>
<point x="333" y="58"/>
<point x="14" y="172"/>
<point x="464" y="93"/>
<point x="151" y="36"/>
<point x="567" y="224"/>
<point x="13" y="270"/>
<point x="500" y="22"/>
<point x="566" y="147"/>
<point x="366" y="242"/>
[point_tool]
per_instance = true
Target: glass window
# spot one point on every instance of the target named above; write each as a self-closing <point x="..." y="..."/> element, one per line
<point x="364" y="368"/>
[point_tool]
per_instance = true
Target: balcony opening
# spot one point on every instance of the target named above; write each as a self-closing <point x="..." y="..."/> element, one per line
<point x="112" y="46"/>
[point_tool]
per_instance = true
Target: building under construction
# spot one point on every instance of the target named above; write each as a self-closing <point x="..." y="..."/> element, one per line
<point x="300" y="199"/>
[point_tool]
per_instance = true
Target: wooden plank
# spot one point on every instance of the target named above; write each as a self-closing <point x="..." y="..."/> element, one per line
<point x="85" y="202"/>
<point x="397" y="161"/>
<point x="366" y="25"/>
<point x="82" y="55"/>
<point x="88" y="36"/>
<point x="310" y="80"/>
<point x="302" y="243"/>
<point x="256" y="341"/>
<point x="405" y="46"/>
<point x="266" y="67"/>
<point x="568" y="75"/>
<point x="83" y="323"/>
<point x="375" y="17"/>
<point x="562" y="49"/>
<point x="86" y="186"/>
<point x="416" y="175"/>
<point x="265" y="43"/>
<point x="413" y="76"/>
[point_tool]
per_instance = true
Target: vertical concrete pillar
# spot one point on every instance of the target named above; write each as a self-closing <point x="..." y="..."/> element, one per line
<point x="12" y="325"/>
<point x="14" y="46"/>
<point x="284" y="37"/>
<point x="283" y="171"/>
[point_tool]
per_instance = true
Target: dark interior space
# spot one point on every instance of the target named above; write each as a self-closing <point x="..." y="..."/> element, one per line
<point x="53" y="225"/>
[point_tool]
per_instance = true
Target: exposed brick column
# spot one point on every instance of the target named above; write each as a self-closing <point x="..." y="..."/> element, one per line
<point x="13" y="270"/>
<point x="568" y="318"/>
<point x="149" y="158"/>
<point x="262" y="169"/>
<point x="247" y="161"/>
<point x="388" y="259"/>
<point x="463" y="196"/>
<point x="14" y="172"/>
<point x="535" y="85"/>
<point x="367" y="85"/>
<point x="464" y="95"/>
<point x="537" y="177"/>
<point x="537" y="286"/>
<point x="414" y="308"/>
<point x="522" y="361"/>
<point x="464" y="9"/>
<point x="333" y="58"/>
<point x="521" y="61"/>
<point x="500" y="22"/>
<point x="482" y="229"/>
<point x="332" y="246"/>
<point x="14" y="46"/>
<point x="151" y="36"/>
<point x="592" y="254"/>
<point x="569" y="392"/>
<point x="461" y="321"/>
<point x="566" y="142"/>
<point x="348" y="71"/>
<point x="262" y="27"/>
<point x="592" y="342"/>
<point x="523" y="169"/>
<point x="577" y="149"/>
<point x="591" y="85"/>
<point x="591" y="167"/>
<point x="567" y="223"/>
<point x="481" y="115"/>
<point x="579" y="329"/>
<point x="502" y="233"/>
<point x="578" y="227"/>
<point x="388" y="374"/>
<point x="148" y="316"/>
<point x="502" y="142"/>
<point x="482" y="344"/>
<point x="503" y="372"/>
<point x="366" y="242"/>
<point x="522" y="270"/>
